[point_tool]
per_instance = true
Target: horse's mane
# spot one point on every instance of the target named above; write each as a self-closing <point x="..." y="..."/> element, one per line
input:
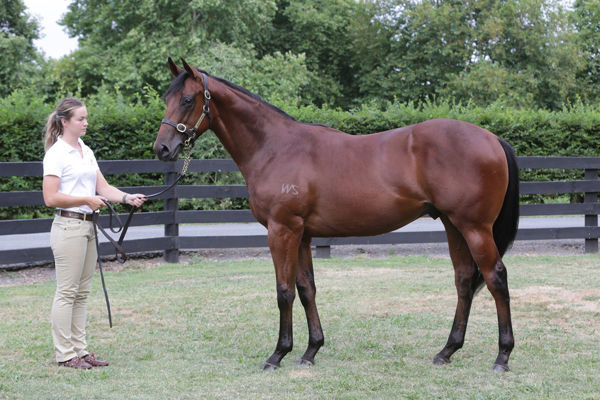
<point x="179" y="82"/>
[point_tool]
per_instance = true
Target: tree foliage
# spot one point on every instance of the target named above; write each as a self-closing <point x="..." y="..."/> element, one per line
<point x="480" y="50"/>
<point x="586" y="20"/>
<point x="126" y="44"/>
<point x="327" y="33"/>
<point x="20" y="60"/>
<point x="341" y="53"/>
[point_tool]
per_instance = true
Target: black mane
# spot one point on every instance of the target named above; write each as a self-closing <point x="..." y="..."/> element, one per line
<point x="179" y="82"/>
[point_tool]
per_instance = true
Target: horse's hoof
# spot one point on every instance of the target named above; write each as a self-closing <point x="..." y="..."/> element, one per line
<point x="270" y="367"/>
<point x="438" y="360"/>
<point x="306" y="363"/>
<point x="500" y="368"/>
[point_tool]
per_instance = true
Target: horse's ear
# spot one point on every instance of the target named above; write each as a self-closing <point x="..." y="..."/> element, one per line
<point x="190" y="70"/>
<point x="175" y="70"/>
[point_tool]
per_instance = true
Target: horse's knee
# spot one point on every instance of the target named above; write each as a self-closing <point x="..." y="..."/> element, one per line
<point x="285" y="295"/>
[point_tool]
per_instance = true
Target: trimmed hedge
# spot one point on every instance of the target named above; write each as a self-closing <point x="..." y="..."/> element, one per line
<point x="121" y="129"/>
<point x="571" y="132"/>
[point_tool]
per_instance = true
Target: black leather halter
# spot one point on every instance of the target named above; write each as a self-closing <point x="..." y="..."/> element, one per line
<point x="191" y="134"/>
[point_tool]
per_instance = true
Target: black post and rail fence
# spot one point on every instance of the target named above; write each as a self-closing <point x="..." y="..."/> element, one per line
<point x="171" y="243"/>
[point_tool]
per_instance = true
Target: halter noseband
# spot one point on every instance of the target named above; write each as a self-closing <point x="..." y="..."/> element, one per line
<point x="192" y="133"/>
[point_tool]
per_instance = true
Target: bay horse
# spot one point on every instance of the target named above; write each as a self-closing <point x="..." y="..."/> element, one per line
<point x="307" y="180"/>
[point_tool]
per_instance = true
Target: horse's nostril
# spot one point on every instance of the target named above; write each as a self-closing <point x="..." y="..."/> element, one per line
<point x="162" y="151"/>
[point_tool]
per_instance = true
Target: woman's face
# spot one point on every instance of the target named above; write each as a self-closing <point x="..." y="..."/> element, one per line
<point x="77" y="124"/>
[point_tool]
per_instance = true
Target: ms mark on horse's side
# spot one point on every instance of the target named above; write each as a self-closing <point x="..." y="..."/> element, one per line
<point x="289" y="189"/>
<point x="453" y="170"/>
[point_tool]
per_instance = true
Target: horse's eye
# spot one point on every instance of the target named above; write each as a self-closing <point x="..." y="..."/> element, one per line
<point x="187" y="100"/>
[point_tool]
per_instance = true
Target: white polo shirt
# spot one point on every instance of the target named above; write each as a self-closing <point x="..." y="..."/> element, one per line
<point x="77" y="175"/>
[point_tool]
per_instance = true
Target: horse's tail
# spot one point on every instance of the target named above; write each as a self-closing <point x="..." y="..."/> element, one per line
<point x="505" y="227"/>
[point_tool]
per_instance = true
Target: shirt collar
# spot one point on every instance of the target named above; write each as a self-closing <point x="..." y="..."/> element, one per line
<point x="70" y="148"/>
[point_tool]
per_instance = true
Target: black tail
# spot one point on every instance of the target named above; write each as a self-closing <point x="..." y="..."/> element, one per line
<point x="505" y="227"/>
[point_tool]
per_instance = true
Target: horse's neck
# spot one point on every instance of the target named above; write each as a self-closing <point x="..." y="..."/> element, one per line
<point x="244" y="131"/>
<point x="240" y="142"/>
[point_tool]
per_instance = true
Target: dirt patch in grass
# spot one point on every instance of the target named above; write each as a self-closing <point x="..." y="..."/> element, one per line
<point x="358" y="272"/>
<point x="559" y="299"/>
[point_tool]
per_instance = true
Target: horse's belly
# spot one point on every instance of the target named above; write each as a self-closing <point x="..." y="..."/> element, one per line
<point x="366" y="220"/>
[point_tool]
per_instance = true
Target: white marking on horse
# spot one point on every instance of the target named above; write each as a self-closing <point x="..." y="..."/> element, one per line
<point x="287" y="188"/>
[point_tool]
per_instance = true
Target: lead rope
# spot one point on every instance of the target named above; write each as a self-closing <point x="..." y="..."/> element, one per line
<point x="95" y="220"/>
<point x="119" y="252"/>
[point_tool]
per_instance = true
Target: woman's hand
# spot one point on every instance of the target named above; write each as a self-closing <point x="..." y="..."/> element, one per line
<point x="95" y="202"/>
<point x="136" y="199"/>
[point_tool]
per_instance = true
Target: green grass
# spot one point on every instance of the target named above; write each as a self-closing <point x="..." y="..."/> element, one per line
<point x="203" y="331"/>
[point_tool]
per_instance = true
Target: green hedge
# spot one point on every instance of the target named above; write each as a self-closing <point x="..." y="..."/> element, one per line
<point x="120" y="128"/>
<point x="123" y="129"/>
<point x="571" y="132"/>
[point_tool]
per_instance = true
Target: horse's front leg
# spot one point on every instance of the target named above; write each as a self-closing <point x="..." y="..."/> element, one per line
<point x="284" y="242"/>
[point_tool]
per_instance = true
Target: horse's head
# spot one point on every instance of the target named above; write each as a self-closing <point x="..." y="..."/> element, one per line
<point x="188" y="113"/>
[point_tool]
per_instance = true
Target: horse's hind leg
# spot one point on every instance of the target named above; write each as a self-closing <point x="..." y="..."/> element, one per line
<point x="305" y="283"/>
<point x="484" y="251"/>
<point x="467" y="280"/>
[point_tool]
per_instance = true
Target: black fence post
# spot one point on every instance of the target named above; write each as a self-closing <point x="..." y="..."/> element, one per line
<point x="591" y="244"/>
<point x="171" y="253"/>
<point x="323" y="251"/>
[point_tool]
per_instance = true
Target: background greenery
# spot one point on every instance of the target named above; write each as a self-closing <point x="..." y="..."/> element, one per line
<point x="126" y="130"/>
<point x="525" y="69"/>
<point x="204" y="330"/>
<point x="339" y="53"/>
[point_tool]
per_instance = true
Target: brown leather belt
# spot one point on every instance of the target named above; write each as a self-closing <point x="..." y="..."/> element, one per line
<point x="76" y="215"/>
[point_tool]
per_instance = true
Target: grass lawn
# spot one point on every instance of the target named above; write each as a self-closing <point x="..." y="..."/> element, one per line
<point x="204" y="330"/>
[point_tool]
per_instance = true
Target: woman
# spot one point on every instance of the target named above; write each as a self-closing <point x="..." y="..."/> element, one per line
<point x="74" y="185"/>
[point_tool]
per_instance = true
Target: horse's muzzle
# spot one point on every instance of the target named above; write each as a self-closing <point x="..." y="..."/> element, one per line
<point x="166" y="153"/>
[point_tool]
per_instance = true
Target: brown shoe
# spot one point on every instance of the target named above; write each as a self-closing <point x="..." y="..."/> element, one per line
<point x="91" y="360"/>
<point x="75" y="362"/>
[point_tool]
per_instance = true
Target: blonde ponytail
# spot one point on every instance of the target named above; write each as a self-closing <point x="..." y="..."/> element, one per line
<point x="53" y="130"/>
<point x="54" y="127"/>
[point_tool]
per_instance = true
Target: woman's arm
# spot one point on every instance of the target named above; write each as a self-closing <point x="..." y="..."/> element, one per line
<point x="111" y="193"/>
<point x="53" y="198"/>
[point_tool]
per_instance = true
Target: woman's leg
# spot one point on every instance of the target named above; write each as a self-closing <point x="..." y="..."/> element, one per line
<point x="80" y="305"/>
<point x="69" y="246"/>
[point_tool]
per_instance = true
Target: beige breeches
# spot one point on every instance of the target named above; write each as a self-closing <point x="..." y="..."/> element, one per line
<point x="75" y="255"/>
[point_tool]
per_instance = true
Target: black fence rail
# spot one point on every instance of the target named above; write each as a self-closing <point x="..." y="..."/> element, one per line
<point x="171" y="217"/>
